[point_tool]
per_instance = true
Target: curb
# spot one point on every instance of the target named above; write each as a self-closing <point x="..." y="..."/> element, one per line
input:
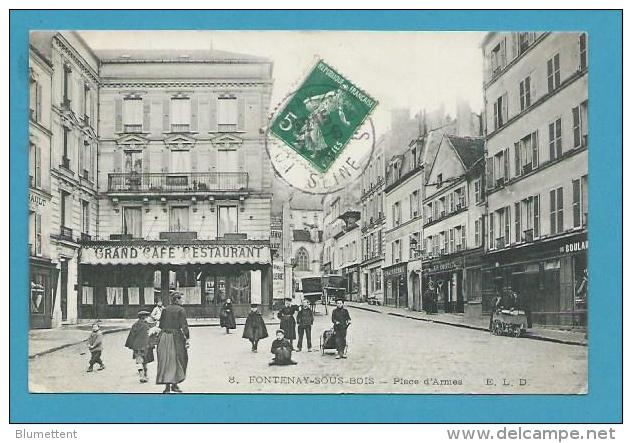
<point x="466" y="326"/>
<point x="113" y="330"/>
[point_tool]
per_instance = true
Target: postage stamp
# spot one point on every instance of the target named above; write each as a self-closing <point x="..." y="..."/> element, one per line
<point x="323" y="115"/>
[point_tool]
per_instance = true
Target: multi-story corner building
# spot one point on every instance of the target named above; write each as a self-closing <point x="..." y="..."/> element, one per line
<point x="70" y="104"/>
<point x="44" y="307"/>
<point x="306" y="226"/>
<point x="185" y="188"/>
<point x="454" y="207"/>
<point x="536" y="116"/>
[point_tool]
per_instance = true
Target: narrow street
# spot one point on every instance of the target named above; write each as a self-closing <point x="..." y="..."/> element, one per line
<point x="386" y="355"/>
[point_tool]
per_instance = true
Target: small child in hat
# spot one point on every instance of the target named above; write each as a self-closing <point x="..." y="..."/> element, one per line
<point x="255" y="327"/>
<point x="138" y="341"/>
<point x="95" y="346"/>
<point x="282" y="350"/>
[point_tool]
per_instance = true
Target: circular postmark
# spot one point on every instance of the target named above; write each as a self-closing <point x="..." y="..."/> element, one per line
<point x="300" y="170"/>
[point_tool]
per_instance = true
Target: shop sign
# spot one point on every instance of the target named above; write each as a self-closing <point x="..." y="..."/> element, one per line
<point x="174" y="254"/>
<point x="37" y="200"/>
<point x="401" y="269"/>
<point x="278" y="277"/>
<point x="443" y="266"/>
<point x="574" y="247"/>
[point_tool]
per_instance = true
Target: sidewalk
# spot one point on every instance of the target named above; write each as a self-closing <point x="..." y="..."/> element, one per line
<point x="44" y="341"/>
<point x="482" y="324"/>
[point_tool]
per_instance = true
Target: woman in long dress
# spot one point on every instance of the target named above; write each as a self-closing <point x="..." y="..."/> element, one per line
<point x="172" y="347"/>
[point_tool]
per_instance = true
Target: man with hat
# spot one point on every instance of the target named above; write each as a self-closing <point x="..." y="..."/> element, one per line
<point x="341" y="319"/>
<point x="138" y="342"/>
<point x="282" y="350"/>
<point x="255" y="327"/>
<point x="288" y="323"/>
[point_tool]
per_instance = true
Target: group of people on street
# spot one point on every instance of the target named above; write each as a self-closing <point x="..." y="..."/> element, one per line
<point x="166" y="330"/>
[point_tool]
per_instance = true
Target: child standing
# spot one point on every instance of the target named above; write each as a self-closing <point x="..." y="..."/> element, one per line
<point x="255" y="327"/>
<point x="95" y="345"/>
<point x="282" y="350"/>
<point x="138" y="342"/>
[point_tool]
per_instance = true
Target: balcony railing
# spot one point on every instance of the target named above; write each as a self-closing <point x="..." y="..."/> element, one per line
<point x="500" y="242"/>
<point x="177" y="182"/>
<point x="133" y="129"/>
<point x="65" y="233"/>
<point x="527" y="235"/>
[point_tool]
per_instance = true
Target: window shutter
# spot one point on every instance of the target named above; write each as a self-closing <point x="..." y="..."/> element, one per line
<point x="536" y="216"/>
<point x="118" y="114"/>
<point x="241" y="113"/>
<point x="536" y="150"/>
<point x="489" y="173"/>
<point x="194" y="159"/>
<point x="194" y="114"/>
<point x="38" y="103"/>
<point x="517" y="228"/>
<point x="212" y="112"/>
<point x="506" y="163"/>
<point x="146" y="159"/>
<point x="80" y="97"/>
<point x="38" y="165"/>
<point x="505" y="109"/>
<point x="517" y="159"/>
<point x="147" y="115"/>
<point x="165" y="114"/>
<point x="117" y="160"/>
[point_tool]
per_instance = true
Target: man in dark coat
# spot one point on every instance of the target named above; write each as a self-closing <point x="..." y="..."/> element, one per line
<point x="282" y="350"/>
<point x="255" y="327"/>
<point x="138" y="342"/>
<point x="305" y="320"/>
<point x="288" y="323"/>
<point x="172" y="354"/>
<point x="227" y="316"/>
<point x="341" y="320"/>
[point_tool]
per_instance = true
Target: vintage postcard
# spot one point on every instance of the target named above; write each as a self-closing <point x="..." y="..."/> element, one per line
<point x="318" y="212"/>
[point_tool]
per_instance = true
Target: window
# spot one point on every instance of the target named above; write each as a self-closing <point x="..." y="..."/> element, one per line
<point x="226" y="220"/>
<point x="133" y="114"/>
<point x="302" y="260"/>
<point x="179" y="219"/>
<point x="132" y="222"/>
<point x="413" y="245"/>
<point x="228" y="160"/>
<point x="501" y="112"/>
<point x="553" y="72"/>
<point x="435" y="245"/>
<point x="35" y="233"/>
<point x="477" y="231"/>
<point x="536" y="216"/>
<point x="507" y="226"/>
<point x="133" y="161"/>
<point x="87" y="100"/>
<point x="35" y="100"/>
<point x="501" y="166"/>
<point x="525" y="93"/>
<point x="580" y="125"/>
<point x="396" y="250"/>
<point x="85" y="217"/>
<point x="66" y="209"/>
<point x="444" y="241"/>
<point x="517" y="222"/>
<point x="378" y="279"/>
<point x="452" y="247"/>
<point x="414" y="204"/>
<point x="580" y="202"/>
<point x="180" y="114"/>
<point x="180" y="160"/>
<point x="439" y="180"/>
<point x="85" y="159"/>
<point x="65" y="161"/>
<point x="459" y="198"/>
<point x="67" y="82"/>
<point x="397" y="213"/>
<point x="461" y="241"/>
<point x="227" y="114"/>
<point x="557" y="210"/>
<point x="583" y="52"/>
<point x="478" y="191"/>
<point x="498" y="57"/>
<point x="555" y="139"/>
<point x="35" y="166"/>
<point x="526" y="154"/>
<point x="525" y="39"/>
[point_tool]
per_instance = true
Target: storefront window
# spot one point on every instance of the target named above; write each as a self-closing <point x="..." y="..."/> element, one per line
<point x="39" y="286"/>
<point x="87" y="295"/>
<point x="133" y="296"/>
<point x="114" y="295"/>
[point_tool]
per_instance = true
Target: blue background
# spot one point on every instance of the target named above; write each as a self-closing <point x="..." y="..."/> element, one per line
<point x="603" y="403"/>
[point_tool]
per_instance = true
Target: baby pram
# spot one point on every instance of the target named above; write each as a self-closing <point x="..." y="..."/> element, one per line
<point x="328" y="342"/>
<point x="509" y="322"/>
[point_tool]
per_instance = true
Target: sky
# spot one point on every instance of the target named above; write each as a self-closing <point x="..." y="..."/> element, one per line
<point x="414" y="70"/>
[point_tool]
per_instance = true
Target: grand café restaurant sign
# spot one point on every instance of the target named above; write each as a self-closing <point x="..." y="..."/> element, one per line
<point x="174" y="254"/>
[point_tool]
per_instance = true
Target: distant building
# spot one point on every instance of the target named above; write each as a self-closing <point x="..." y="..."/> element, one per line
<point x="536" y="117"/>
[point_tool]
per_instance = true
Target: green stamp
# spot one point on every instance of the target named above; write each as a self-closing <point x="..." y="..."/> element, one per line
<point x="322" y="116"/>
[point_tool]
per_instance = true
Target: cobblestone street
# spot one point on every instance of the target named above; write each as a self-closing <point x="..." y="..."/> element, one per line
<point x="386" y="354"/>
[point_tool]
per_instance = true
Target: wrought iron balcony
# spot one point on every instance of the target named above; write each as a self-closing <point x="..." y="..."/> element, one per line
<point x="196" y="182"/>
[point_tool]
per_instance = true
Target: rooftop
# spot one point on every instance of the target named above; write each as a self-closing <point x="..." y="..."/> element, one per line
<point x="175" y="55"/>
<point x="469" y="149"/>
